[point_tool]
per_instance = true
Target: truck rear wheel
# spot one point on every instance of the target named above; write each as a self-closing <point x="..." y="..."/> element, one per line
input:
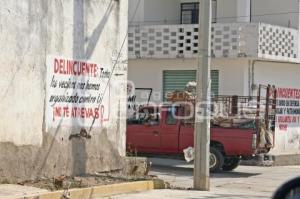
<point x="216" y="160"/>
<point x="231" y="163"/>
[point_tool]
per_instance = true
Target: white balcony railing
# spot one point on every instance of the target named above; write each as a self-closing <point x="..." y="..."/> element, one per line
<point x="227" y="40"/>
<point x="276" y="42"/>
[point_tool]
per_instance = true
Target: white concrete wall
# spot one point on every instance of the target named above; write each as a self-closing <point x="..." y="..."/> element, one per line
<point x="243" y="10"/>
<point x="162" y="12"/>
<point x="282" y="76"/>
<point x="136" y="11"/>
<point x="24" y="61"/>
<point x="226" y="11"/>
<point x="148" y="73"/>
<point x="277" y="12"/>
<point x="29" y="32"/>
<point x="154" y="12"/>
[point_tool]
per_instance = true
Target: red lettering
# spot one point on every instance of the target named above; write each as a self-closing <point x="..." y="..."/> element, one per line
<point x="82" y="112"/>
<point x="56" y="66"/>
<point x="96" y="113"/>
<point x="57" y="111"/>
<point x="70" y="67"/>
<point x="288" y="93"/>
<point x="283" y="127"/>
<point x="61" y="66"/>
<point x="95" y="70"/>
<point x="74" y="112"/>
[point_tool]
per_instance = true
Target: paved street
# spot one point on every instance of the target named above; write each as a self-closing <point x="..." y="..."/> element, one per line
<point x="245" y="182"/>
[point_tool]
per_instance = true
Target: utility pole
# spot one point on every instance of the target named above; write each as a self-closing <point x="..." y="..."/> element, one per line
<point x="202" y="116"/>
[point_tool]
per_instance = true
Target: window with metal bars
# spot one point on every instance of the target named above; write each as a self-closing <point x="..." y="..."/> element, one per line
<point x="190" y="12"/>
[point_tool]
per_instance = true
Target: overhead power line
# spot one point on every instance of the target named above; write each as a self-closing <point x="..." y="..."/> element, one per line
<point x="226" y="17"/>
<point x="116" y="62"/>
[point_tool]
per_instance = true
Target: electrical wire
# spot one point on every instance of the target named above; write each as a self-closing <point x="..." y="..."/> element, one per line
<point x="224" y="17"/>
<point x="116" y="62"/>
<point x="7" y="11"/>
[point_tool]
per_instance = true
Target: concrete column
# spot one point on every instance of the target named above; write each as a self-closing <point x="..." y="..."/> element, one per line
<point x="243" y="10"/>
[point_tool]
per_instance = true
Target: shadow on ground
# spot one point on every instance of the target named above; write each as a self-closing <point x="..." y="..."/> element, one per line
<point x="186" y="172"/>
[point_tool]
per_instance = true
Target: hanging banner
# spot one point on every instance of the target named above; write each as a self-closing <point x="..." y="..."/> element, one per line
<point x="78" y="93"/>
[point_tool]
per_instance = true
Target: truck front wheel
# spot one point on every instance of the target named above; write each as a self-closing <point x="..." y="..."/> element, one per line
<point x="231" y="163"/>
<point x="216" y="160"/>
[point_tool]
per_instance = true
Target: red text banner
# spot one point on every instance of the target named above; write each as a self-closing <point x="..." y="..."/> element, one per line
<point x="78" y="93"/>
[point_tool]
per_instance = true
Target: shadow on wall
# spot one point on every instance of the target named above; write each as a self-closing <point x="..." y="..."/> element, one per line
<point x="59" y="155"/>
<point x="48" y="152"/>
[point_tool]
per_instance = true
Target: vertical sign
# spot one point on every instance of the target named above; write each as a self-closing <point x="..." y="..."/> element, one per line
<point x="288" y="120"/>
<point x="78" y="93"/>
<point x="288" y="108"/>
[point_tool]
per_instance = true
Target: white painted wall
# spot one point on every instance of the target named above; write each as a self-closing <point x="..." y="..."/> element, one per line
<point x="148" y="73"/>
<point x="280" y="74"/>
<point x="277" y="12"/>
<point x="136" y="12"/>
<point x="162" y="11"/>
<point x="154" y="12"/>
<point x="243" y="10"/>
<point x="226" y="11"/>
<point x="284" y="76"/>
<point x="30" y="31"/>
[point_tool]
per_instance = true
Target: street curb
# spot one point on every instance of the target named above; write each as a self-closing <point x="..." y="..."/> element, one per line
<point x="270" y="160"/>
<point x="100" y="191"/>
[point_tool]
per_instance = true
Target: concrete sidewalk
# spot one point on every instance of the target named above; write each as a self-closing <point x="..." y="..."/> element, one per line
<point x="245" y="182"/>
<point x="22" y="192"/>
<point x="16" y="191"/>
<point x="182" y="194"/>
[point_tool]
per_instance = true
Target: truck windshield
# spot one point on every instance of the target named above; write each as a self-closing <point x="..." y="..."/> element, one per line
<point x="145" y="116"/>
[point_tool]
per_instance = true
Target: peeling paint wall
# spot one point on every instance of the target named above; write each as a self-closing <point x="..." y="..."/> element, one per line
<point x="30" y="31"/>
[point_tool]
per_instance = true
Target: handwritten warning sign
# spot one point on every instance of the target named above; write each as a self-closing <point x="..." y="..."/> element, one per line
<point x="78" y="93"/>
<point x="288" y="108"/>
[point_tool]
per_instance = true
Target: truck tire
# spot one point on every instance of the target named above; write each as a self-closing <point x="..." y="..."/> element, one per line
<point x="216" y="160"/>
<point x="231" y="163"/>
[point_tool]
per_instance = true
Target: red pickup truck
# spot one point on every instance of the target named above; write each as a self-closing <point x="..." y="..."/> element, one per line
<point x="166" y="133"/>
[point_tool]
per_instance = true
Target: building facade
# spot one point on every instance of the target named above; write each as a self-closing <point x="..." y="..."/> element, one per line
<point x="62" y="102"/>
<point x="253" y="42"/>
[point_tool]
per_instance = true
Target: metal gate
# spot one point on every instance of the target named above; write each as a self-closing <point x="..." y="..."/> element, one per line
<point x="177" y="80"/>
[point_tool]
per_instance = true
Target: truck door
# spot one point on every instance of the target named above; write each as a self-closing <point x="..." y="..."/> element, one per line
<point x="169" y="130"/>
<point x="145" y="135"/>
